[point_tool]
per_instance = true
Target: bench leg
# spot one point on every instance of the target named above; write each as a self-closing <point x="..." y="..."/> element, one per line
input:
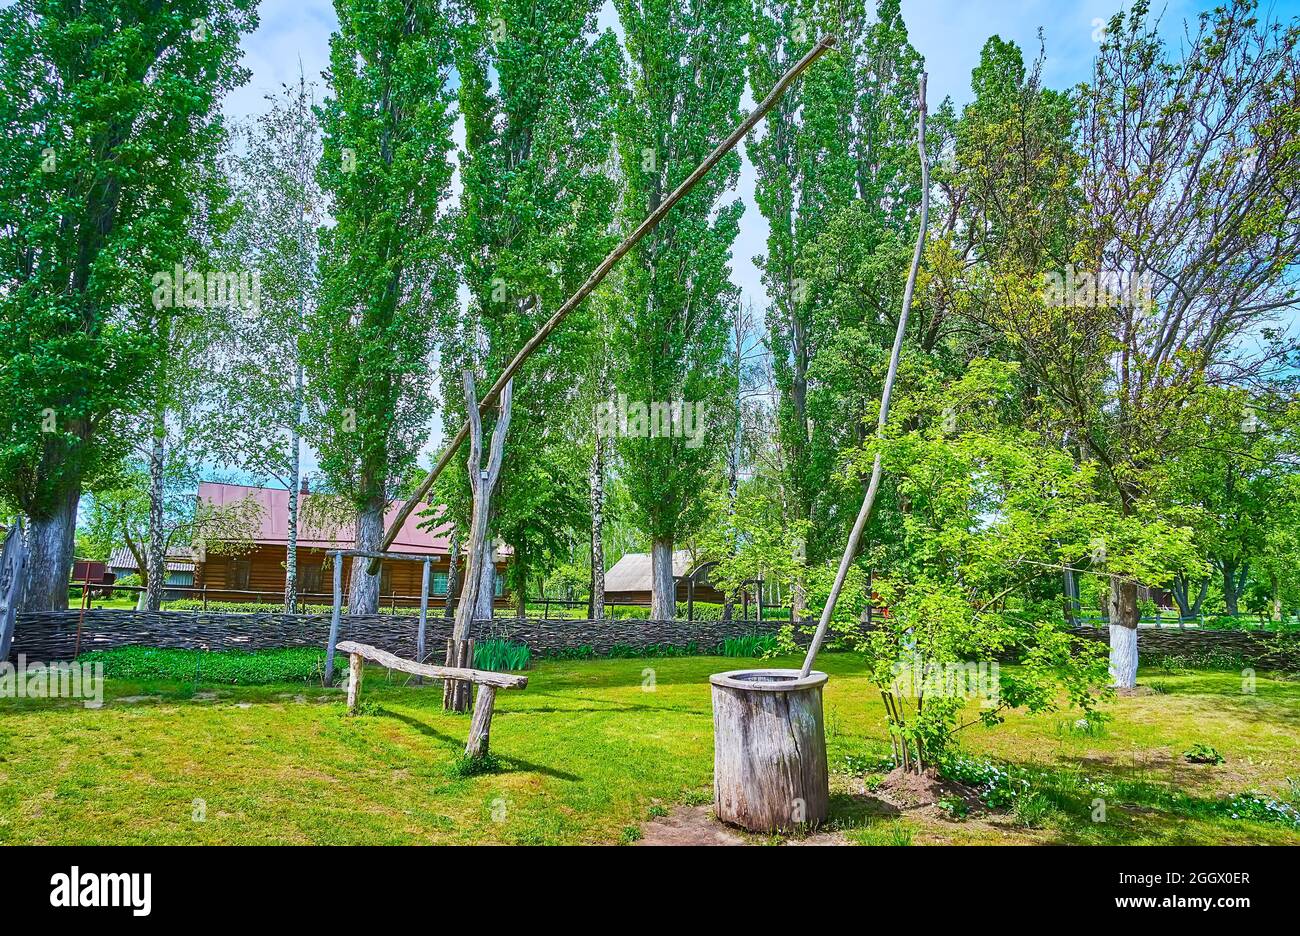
<point x="481" y="724"/>
<point x="356" y="670"/>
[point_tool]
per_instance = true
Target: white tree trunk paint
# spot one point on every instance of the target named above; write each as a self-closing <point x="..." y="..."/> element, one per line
<point x="1123" y="656"/>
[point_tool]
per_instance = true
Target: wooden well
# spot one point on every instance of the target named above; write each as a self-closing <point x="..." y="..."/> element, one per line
<point x="769" y="749"/>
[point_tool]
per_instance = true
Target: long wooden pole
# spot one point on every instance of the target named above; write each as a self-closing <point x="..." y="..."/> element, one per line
<point x="649" y="224"/>
<point x="869" y="501"/>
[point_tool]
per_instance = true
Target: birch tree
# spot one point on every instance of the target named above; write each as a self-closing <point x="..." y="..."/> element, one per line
<point x="254" y="416"/>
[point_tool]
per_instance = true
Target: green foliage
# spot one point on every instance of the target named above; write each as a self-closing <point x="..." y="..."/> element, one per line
<point x="1202" y="753"/>
<point x="673" y="297"/>
<point x="538" y="87"/>
<point x="750" y="645"/>
<point x="467" y="765"/>
<point x="1032" y="810"/>
<point x="385" y="275"/>
<point x="233" y="667"/>
<point x="112" y="114"/>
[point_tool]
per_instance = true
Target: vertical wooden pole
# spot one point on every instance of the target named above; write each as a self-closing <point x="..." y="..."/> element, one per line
<point x="334" y="618"/>
<point x="424" y="615"/>
<point x="356" y="672"/>
<point x="480" y="725"/>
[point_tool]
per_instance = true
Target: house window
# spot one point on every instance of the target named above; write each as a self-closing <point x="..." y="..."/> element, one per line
<point x="500" y="588"/>
<point x="385" y="580"/>
<point x="309" y="579"/>
<point x="238" y="574"/>
<point x="439" y="584"/>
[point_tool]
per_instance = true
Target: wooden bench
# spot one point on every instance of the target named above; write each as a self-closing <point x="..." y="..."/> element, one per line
<point x="488" y="683"/>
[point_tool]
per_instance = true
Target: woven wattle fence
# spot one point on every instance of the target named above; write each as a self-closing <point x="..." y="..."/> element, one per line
<point x="52" y="635"/>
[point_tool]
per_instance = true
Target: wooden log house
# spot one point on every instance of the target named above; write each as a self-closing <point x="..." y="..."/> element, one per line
<point x="259" y="575"/>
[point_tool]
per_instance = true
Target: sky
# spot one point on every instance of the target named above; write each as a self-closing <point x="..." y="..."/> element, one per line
<point x="948" y="33"/>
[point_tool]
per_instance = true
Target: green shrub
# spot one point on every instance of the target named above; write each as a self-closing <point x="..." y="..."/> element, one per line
<point x="501" y="655"/>
<point x="233" y="667"/>
<point x="1203" y="754"/>
<point x="1032" y="810"/>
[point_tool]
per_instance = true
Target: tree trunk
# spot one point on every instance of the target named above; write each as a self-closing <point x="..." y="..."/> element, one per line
<point x="1233" y="584"/>
<point x="596" y="606"/>
<point x="1123" y="633"/>
<point x="482" y="480"/>
<point x="487" y="583"/>
<point x="663" y="591"/>
<point x="1276" y="593"/>
<point x="363" y="593"/>
<point x="295" y="485"/>
<point x="769" y="755"/>
<point x="157" y="539"/>
<point x="51" y="542"/>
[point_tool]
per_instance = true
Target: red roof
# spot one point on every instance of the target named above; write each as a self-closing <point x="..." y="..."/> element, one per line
<point x="275" y="522"/>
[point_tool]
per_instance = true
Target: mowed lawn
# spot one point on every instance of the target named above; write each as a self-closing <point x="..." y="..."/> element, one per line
<point x="589" y="751"/>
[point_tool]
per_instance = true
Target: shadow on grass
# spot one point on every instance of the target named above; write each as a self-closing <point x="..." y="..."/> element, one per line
<point x="509" y="763"/>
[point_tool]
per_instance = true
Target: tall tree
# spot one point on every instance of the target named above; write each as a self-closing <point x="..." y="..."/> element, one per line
<point x="537" y="92"/>
<point x="110" y="110"/>
<point x="384" y="275"/>
<point x="687" y="73"/>
<point x="1192" y="188"/>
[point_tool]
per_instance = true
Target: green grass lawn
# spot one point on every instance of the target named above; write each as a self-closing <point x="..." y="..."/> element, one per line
<point x="589" y="750"/>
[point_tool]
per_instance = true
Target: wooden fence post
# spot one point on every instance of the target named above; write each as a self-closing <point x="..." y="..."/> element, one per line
<point x="334" y="618"/>
<point x="356" y="672"/>
<point x="424" y="618"/>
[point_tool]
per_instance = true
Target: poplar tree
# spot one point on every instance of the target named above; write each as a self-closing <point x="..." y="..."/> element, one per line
<point x="672" y="325"/>
<point x="385" y="277"/>
<point x="537" y="92"/>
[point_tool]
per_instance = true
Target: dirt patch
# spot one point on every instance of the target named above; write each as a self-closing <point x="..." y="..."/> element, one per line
<point x="695" y="825"/>
<point x="1135" y="691"/>
<point x="907" y="790"/>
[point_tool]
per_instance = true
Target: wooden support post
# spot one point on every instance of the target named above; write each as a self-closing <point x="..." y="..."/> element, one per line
<point x="481" y="724"/>
<point x="424" y="617"/>
<point x="334" y="618"/>
<point x="356" y="672"/>
<point x="456" y="695"/>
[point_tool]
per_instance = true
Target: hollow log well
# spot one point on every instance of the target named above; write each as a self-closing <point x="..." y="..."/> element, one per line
<point x="769" y="762"/>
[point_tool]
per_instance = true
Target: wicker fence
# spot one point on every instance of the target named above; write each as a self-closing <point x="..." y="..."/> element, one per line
<point x="52" y="635"/>
<point x="1258" y="648"/>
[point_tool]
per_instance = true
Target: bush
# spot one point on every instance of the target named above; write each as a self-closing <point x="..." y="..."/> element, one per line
<point x="233" y="667"/>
